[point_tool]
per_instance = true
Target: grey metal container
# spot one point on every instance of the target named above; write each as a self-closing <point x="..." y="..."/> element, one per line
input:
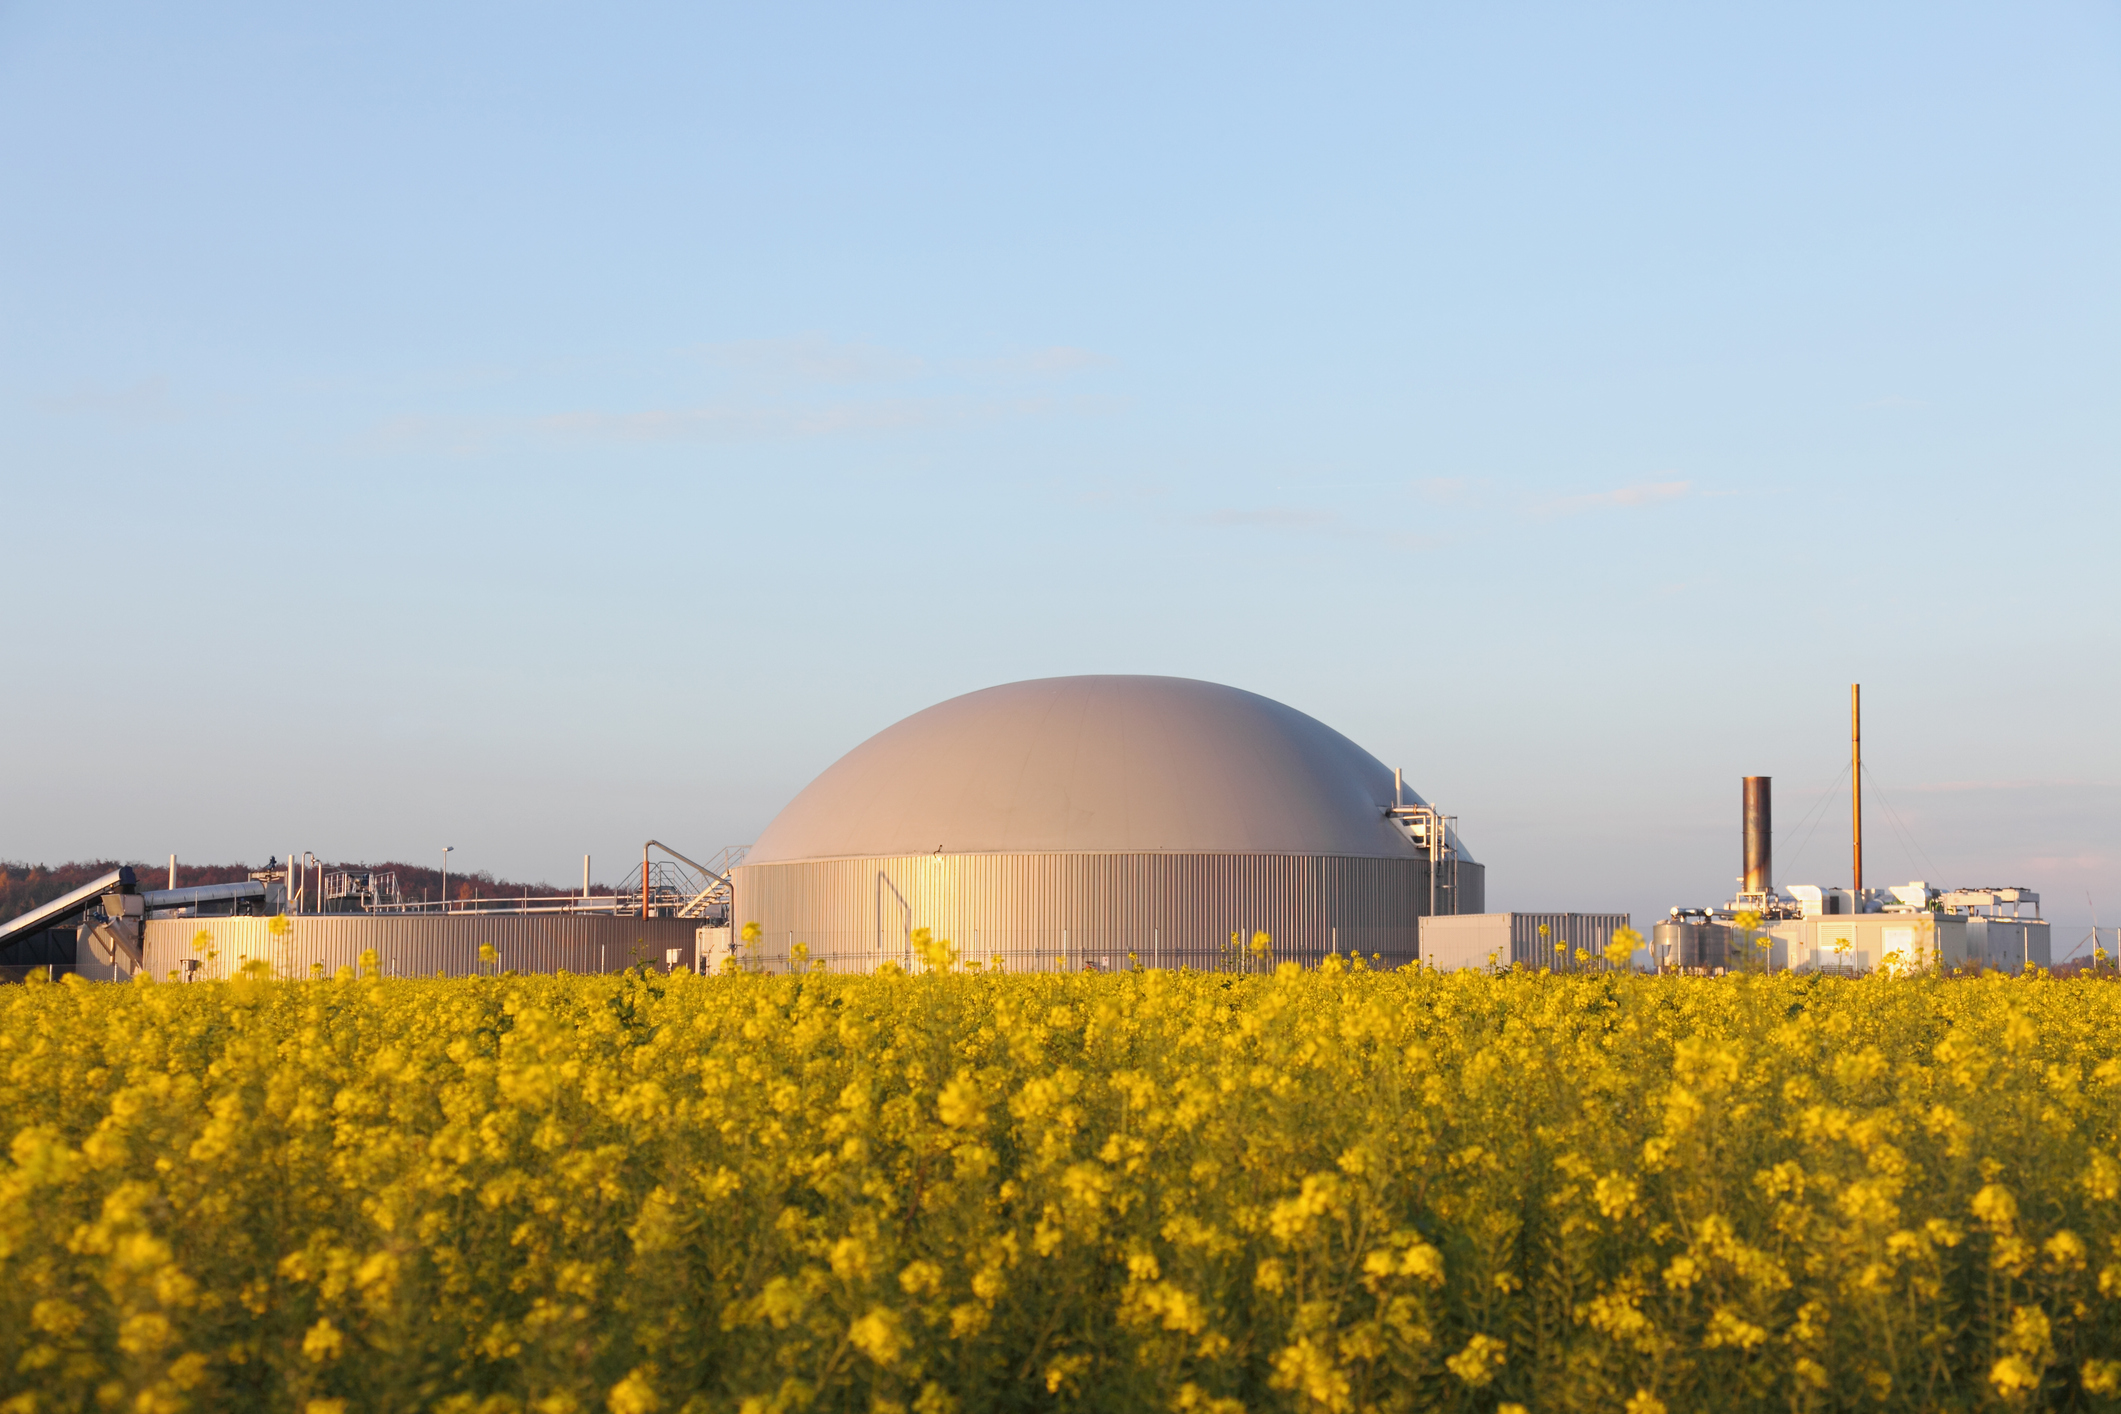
<point x="1507" y="939"/>
<point x="1692" y="945"/>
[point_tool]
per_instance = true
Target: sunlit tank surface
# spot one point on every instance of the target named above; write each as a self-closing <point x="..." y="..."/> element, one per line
<point x="1095" y="822"/>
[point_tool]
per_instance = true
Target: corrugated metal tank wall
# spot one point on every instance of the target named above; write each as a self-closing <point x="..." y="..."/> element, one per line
<point x="1692" y="945"/>
<point x="1472" y="888"/>
<point x="417" y="946"/>
<point x="1042" y="911"/>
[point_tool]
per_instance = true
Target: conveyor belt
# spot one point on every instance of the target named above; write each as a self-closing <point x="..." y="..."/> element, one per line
<point x="61" y="909"/>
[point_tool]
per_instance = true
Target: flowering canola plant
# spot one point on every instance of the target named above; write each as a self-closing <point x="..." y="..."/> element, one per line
<point x="1327" y="1190"/>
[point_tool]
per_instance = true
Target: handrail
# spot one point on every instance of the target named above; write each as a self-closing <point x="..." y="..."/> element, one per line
<point x="658" y="844"/>
<point x="697" y="904"/>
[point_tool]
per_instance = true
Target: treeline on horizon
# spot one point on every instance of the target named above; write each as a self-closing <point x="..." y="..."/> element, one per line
<point x="27" y="886"/>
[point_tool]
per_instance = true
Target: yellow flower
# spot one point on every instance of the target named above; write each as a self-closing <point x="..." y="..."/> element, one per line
<point x="959" y="1105"/>
<point x="323" y="1342"/>
<point x="1995" y="1206"/>
<point x="2013" y="1375"/>
<point x="1478" y="1363"/>
<point x="903" y="1178"/>
<point x="1620" y="952"/>
<point x="878" y="1335"/>
<point x="635" y="1394"/>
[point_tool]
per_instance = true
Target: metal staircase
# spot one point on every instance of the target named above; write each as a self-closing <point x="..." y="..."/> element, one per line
<point x="679" y="887"/>
<point x="720" y="888"/>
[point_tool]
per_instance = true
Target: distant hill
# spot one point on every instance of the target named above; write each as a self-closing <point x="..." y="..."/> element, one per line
<point x="25" y="886"/>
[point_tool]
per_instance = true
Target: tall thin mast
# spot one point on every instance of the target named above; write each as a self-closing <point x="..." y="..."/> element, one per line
<point x="1856" y="784"/>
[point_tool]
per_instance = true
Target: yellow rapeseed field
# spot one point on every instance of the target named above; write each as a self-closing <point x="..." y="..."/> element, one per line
<point x="1329" y="1190"/>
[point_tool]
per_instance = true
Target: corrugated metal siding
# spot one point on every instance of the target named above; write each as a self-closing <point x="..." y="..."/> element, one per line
<point x="1044" y="911"/>
<point x="1590" y="932"/>
<point x="1467" y="940"/>
<point x="417" y="946"/>
<point x="1472" y="887"/>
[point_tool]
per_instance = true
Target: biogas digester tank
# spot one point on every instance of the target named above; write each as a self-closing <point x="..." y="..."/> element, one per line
<point x="1070" y="822"/>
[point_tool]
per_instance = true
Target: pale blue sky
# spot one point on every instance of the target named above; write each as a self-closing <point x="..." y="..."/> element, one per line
<point x="535" y="428"/>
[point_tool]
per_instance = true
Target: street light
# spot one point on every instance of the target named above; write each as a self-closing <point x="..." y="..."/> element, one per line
<point x="445" y="876"/>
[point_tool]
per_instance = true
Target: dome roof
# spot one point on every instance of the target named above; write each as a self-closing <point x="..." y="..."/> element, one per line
<point x="1096" y="765"/>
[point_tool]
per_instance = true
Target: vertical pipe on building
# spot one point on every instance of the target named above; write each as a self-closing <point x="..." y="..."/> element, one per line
<point x="585" y="879"/>
<point x="1759" y="834"/>
<point x="173" y="871"/>
<point x="644" y="881"/>
<point x="1856" y="789"/>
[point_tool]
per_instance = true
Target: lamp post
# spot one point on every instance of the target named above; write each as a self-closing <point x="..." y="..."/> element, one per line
<point x="445" y="876"/>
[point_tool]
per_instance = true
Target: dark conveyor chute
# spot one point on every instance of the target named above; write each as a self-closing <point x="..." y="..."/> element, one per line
<point x="67" y="907"/>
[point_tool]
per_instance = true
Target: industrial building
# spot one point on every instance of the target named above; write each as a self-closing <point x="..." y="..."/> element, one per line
<point x="1559" y="942"/>
<point x="299" y="922"/>
<point x="1101" y="822"/>
<point x="1064" y="823"/>
<point x="1812" y="927"/>
<point x="1902" y="928"/>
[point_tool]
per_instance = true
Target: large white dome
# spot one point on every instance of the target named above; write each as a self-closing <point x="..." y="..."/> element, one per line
<point x="1105" y="764"/>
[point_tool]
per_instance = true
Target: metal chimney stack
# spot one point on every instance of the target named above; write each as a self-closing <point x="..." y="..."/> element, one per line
<point x="1759" y="835"/>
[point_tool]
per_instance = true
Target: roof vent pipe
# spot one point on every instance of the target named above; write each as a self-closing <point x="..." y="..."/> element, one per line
<point x="1759" y="835"/>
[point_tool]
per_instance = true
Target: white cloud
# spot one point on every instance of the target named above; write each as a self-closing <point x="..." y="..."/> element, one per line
<point x="814" y="359"/>
<point x="145" y="401"/>
<point x="1449" y="490"/>
<point x="1275" y="518"/>
<point x="740" y="422"/>
<point x="1646" y="493"/>
<point x="725" y="422"/>
<point x="1056" y="362"/>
